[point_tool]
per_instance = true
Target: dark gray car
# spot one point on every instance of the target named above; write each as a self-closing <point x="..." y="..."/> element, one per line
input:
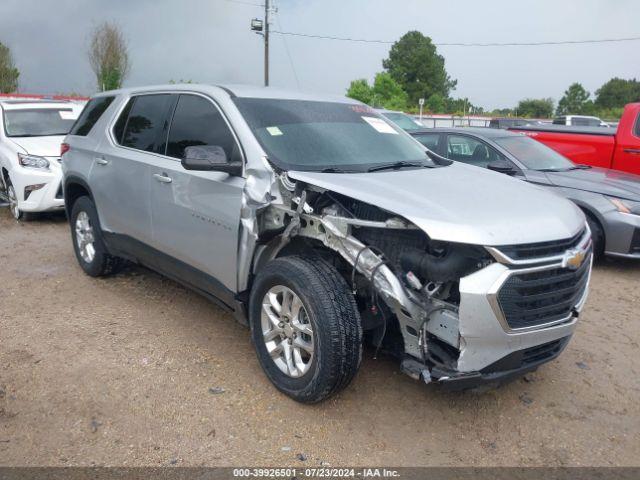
<point x="610" y="199"/>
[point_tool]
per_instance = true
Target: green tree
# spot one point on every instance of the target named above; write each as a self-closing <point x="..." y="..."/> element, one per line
<point x="574" y="101"/>
<point x="616" y="93"/>
<point x="360" y="90"/>
<point x="8" y="72"/>
<point x="385" y="92"/>
<point x="436" y="103"/>
<point x="415" y="64"/>
<point x="109" y="56"/>
<point x="535" y="107"/>
<point x="388" y="93"/>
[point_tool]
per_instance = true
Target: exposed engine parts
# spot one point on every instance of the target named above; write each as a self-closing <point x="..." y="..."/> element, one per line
<point x="404" y="283"/>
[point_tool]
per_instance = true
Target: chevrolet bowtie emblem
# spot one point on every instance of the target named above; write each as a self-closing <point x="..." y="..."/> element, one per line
<point x="573" y="259"/>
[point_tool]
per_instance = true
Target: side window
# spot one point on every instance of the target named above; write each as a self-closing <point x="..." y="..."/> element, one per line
<point x="429" y="140"/>
<point x="118" y="129"/>
<point x="90" y="115"/>
<point x="196" y="122"/>
<point x="469" y="150"/>
<point x="146" y="122"/>
<point x="638" y="126"/>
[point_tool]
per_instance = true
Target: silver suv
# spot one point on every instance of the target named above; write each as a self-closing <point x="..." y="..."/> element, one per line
<point x="322" y="226"/>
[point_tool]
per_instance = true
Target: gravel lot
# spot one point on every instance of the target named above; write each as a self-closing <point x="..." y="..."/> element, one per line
<point x="129" y="370"/>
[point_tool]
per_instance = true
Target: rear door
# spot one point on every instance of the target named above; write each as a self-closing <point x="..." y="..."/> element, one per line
<point x="196" y="215"/>
<point x="121" y="174"/>
<point x="627" y="153"/>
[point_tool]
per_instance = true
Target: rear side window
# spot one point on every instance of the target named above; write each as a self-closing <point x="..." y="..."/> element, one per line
<point x="118" y="129"/>
<point x="197" y="122"/>
<point x="429" y="140"/>
<point x="638" y="126"/>
<point x="90" y="115"/>
<point x="146" y="123"/>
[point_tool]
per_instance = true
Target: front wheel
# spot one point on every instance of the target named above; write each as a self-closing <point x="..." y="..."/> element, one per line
<point x="597" y="237"/>
<point x="16" y="213"/>
<point x="305" y="327"/>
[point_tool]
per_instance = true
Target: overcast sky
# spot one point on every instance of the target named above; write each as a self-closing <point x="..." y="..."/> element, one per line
<point x="209" y="41"/>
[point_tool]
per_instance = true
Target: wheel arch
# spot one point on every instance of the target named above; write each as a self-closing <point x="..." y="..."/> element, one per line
<point x="74" y="188"/>
<point x="593" y="216"/>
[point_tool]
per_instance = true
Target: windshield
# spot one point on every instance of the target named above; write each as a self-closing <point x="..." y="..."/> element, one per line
<point x="403" y="121"/>
<point x="38" y="122"/>
<point x="533" y="154"/>
<point x="316" y="136"/>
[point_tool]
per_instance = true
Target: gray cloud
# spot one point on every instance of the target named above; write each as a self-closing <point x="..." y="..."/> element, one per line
<point x="209" y="41"/>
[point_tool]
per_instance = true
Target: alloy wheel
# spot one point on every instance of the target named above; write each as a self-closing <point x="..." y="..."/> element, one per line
<point x="85" y="237"/>
<point x="13" y="202"/>
<point x="287" y="331"/>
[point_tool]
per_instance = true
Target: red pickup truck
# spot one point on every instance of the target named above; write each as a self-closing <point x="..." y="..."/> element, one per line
<point x="596" y="146"/>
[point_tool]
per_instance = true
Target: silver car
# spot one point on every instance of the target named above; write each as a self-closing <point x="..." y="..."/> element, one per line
<point x="322" y="226"/>
<point x="610" y="199"/>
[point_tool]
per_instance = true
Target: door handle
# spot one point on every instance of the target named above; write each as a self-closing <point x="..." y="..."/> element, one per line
<point x="162" y="178"/>
<point x="632" y="151"/>
<point x="102" y="161"/>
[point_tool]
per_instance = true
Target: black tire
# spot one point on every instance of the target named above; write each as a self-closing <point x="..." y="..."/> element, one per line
<point x="597" y="236"/>
<point x="103" y="263"/>
<point x="335" y="320"/>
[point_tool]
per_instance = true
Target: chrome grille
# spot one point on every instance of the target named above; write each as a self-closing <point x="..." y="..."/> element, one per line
<point x="545" y="296"/>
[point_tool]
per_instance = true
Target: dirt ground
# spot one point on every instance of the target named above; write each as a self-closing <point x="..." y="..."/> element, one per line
<point x="128" y="370"/>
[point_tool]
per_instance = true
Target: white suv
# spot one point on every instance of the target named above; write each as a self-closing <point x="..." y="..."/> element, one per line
<point x="31" y="132"/>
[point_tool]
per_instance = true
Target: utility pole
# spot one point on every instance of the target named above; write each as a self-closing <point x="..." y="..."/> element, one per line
<point x="261" y="27"/>
<point x="266" y="42"/>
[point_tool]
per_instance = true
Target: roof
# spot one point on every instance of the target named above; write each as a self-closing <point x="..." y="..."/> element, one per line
<point x="479" y="131"/>
<point x="36" y="104"/>
<point x="242" y="91"/>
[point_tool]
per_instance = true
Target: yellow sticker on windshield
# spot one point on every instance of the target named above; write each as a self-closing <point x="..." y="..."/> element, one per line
<point x="274" y="131"/>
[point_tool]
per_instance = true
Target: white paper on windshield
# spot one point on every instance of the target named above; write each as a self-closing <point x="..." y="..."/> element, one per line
<point x="68" y="115"/>
<point x="274" y="131"/>
<point x="380" y="125"/>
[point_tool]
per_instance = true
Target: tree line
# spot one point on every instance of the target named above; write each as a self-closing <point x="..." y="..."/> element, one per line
<point x="108" y="57"/>
<point x="415" y="70"/>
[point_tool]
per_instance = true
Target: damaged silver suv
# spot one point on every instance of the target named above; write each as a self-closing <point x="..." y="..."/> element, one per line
<point x="322" y="226"/>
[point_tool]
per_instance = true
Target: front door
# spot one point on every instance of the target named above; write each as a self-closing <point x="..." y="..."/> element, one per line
<point x="196" y="215"/>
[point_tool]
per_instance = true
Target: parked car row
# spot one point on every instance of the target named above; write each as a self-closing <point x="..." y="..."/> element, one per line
<point x="31" y="132"/>
<point x="605" y="196"/>
<point x="321" y="224"/>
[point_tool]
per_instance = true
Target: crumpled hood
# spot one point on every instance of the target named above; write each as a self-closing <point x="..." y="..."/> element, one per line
<point x="40" y="146"/>
<point x="599" y="180"/>
<point x="460" y="203"/>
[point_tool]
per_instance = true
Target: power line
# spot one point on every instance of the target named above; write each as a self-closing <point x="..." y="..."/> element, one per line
<point x="286" y="47"/>
<point x="261" y="5"/>
<point x="508" y="44"/>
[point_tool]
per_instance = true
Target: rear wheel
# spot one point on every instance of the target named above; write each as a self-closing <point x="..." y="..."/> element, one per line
<point x="88" y="243"/>
<point x="305" y="327"/>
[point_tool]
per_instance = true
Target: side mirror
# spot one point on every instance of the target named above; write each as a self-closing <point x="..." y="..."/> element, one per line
<point x="502" y="166"/>
<point x="209" y="158"/>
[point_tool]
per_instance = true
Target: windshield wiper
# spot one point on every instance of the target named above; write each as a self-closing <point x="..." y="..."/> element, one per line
<point x="336" y="170"/>
<point x="574" y="167"/>
<point x="396" y="166"/>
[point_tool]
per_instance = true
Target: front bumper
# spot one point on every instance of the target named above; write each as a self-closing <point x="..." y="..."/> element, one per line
<point x="622" y="234"/>
<point x="47" y="198"/>
<point x="484" y="337"/>
<point x="505" y="370"/>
